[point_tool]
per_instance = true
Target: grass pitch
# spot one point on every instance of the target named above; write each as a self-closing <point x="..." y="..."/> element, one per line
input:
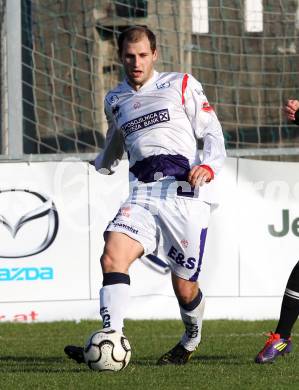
<point x="32" y="357"/>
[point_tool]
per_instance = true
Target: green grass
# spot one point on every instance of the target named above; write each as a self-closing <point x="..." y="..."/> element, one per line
<point x="31" y="357"/>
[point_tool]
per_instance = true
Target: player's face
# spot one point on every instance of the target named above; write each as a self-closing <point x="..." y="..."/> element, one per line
<point x="138" y="61"/>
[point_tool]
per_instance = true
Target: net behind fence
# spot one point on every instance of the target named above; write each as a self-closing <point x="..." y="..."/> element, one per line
<point x="3" y="88"/>
<point x="245" y="53"/>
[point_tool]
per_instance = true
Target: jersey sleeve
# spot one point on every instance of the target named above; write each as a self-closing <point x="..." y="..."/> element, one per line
<point x="204" y="123"/>
<point x="108" y="159"/>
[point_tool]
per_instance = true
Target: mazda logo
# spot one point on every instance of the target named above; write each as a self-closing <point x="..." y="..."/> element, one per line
<point x="46" y="208"/>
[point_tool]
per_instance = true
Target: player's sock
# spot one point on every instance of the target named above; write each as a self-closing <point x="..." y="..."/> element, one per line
<point x="290" y="305"/>
<point x="192" y="314"/>
<point x="114" y="299"/>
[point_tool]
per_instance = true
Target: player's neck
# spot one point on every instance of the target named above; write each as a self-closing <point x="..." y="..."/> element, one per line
<point x="136" y="87"/>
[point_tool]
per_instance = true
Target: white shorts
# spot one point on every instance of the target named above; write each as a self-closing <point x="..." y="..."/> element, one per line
<point x="173" y="229"/>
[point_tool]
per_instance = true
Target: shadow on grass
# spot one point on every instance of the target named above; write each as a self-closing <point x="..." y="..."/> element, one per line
<point x="59" y="364"/>
<point x="202" y="359"/>
<point x="37" y="364"/>
<point x="223" y="359"/>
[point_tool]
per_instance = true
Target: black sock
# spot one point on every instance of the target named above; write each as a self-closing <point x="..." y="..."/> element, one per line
<point x="290" y="305"/>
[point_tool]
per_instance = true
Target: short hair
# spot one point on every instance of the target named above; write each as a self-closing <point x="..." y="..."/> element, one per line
<point x="135" y="34"/>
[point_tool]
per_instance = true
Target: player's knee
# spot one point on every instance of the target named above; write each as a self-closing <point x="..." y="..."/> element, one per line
<point x="108" y="263"/>
<point x="190" y="302"/>
<point x="185" y="290"/>
<point x="186" y="294"/>
<point x="184" y="298"/>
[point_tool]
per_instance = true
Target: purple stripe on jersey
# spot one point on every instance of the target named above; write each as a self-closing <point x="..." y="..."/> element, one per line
<point x="154" y="167"/>
<point x="203" y="236"/>
<point x="163" y="164"/>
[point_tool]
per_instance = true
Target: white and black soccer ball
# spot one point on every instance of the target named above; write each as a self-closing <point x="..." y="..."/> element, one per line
<point x="107" y="351"/>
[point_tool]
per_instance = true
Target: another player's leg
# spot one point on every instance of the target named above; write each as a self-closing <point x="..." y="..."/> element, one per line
<point x="279" y="343"/>
<point x="191" y="302"/>
<point x="119" y="252"/>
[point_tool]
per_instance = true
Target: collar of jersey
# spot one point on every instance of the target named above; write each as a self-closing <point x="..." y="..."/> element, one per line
<point x="154" y="78"/>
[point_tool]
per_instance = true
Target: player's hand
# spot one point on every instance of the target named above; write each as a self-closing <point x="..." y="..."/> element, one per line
<point x="290" y="108"/>
<point x="199" y="175"/>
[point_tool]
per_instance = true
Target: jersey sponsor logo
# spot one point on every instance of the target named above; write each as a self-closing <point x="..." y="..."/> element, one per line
<point x="113" y="99"/>
<point x="125" y="226"/>
<point x="136" y="105"/>
<point x="145" y="121"/>
<point x="163" y="85"/>
<point x="125" y="211"/>
<point x="26" y="273"/>
<point x="185" y="243"/>
<point x="179" y="258"/>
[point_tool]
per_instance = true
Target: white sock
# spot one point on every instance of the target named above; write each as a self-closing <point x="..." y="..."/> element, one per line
<point x="193" y="324"/>
<point x="114" y="300"/>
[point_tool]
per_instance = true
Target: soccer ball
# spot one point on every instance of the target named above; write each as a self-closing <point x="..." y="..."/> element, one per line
<point x="107" y="351"/>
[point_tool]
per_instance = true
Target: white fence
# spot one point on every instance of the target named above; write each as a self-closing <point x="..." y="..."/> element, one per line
<point x="53" y="215"/>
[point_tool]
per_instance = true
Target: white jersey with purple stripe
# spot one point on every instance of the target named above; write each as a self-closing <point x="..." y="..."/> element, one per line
<point x="159" y="126"/>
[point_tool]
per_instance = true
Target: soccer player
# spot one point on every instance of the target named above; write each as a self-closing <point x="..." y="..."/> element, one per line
<point x="279" y="342"/>
<point x="157" y="119"/>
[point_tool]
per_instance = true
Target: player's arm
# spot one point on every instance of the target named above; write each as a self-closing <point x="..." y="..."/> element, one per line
<point x="109" y="157"/>
<point x="291" y="110"/>
<point x="206" y="126"/>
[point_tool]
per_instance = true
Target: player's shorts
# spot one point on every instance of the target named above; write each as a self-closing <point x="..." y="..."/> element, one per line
<point x="174" y="229"/>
